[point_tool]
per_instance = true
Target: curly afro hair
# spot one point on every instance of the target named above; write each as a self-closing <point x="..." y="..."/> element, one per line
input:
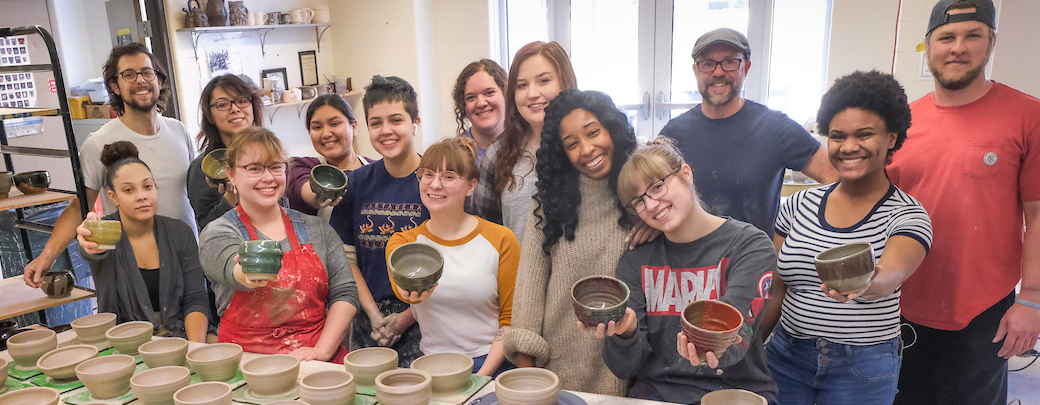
<point x="558" y="197"/>
<point x="872" y="91"/>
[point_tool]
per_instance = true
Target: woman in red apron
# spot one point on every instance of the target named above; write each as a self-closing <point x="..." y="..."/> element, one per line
<point x="306" y="310"/>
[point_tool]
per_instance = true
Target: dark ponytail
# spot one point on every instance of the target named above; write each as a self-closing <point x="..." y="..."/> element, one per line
<point x="116" y="155"/>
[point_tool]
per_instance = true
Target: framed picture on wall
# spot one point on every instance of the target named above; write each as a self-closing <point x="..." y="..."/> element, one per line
<point x="273" y="73"/>
<point x="309" y="68"/>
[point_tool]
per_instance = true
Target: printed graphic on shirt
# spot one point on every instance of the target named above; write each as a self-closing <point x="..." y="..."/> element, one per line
<point x="384" y="219"/>
<point x="669" y="290"/>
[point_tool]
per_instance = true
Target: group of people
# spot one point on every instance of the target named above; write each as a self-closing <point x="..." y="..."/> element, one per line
<point x="545" y="184"/>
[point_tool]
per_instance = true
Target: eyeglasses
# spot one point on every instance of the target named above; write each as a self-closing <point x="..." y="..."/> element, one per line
<point x="426" y="176"/>
<point x="728" y="65"/>
<point x="655" y="191"/>
<point x="257" y="170"/>
<point x="130" y="75"/>
<point x="225" y="104"/>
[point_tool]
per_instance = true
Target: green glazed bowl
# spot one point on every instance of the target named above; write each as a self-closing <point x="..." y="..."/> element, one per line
<point x="415" y="266"/>
<point x="328" y="182"/>
<point x="105" y="233"/>
<point x="32" y="182"/>
<point x="213" y="164"/>
<point x="6" y="182"/>
<point x="260" y="259"/>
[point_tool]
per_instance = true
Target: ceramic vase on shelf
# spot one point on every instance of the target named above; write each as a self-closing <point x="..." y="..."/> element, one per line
<point x="239" y="14"/>
<point x="217" y="13"/>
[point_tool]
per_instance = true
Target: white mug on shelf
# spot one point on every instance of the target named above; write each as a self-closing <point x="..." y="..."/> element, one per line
<point x="291" y="95"/>
<point x="302" y="15"/>
<point x="321" y="16"/>
<point x="255" y="19"/>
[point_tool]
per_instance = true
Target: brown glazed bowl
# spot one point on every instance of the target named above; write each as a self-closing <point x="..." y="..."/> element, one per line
<point x="91" y="329"/>
<point x="527" y="386"/>
<point x="405" y="386"/>
<point x="331" y="387"/>
<point x="60" y="364"/>
<point x="599" y="299"/>
<point x="450" y="371"/>
<point x="213" y="165"/>
<point x="108" y="376"/>
<point x="156" y="386"/>
<point x="27" y="347"/>
<point x="848" y="268"/>
<point x="415" y="266"/>
<point x="31" y="396"/>
<point x="365" y="364"/>
<point x="205" y="393"/>
<point x="127" y="337"/>
<point x="711" y="326"/>
<point x="169" y="351"/>
<point x="105" y="232"/>
<point x="58" y="284"/>
<point x="34" y="182"/>
<point x="216" y="362"/>
<point x="271" y="375"/>
<point x="733" y="397"/>
<point x="6" y="181"/>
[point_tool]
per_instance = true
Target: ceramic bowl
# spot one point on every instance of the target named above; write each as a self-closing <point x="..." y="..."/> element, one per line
<point x="848" y="268"/>
<point x="733" y="397"/>
<point x="213" y="165"/>
<point x="298" y="402"/>
<point x="405" y="386"/>
<point x="206" y="393"/>
<point x="32" y="182"/>
<point x="271" y="375"/>
<point x="3" y="374"/>
<point x="169" y="351"/>
<point x="105" y="232"/>
<point x="31" y="396"/>
<point x="415" y="266"/>
<point x="156" y="386"/>
<point x="6" y="181"/>
<point x="91" y="328"/>
<point x="216" y="362"/>
<point x="27" y="347"/>
<point x="260" y="259"/>
<point x="711" y="326"/>
<point x="127" y="337"/>
<point x="331" y="387"/>
<point x="328" y="182"/>
<point x="108" y="376"/>
<point x="599" y="299"/>
<point x="60" y="364"/>
<point x="365" y="364"/>
<point x="527" y="386"/>
<point x="58" y="284"/>
<point x="450" y="371"/>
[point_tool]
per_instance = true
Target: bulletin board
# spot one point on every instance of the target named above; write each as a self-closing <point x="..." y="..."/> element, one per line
<point x="232" y="52"/>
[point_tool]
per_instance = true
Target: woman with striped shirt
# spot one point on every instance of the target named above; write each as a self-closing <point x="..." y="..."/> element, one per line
<point x="832" y="348"/>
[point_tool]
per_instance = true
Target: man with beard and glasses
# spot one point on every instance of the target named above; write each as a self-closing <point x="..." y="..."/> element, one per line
<point x="972" y="158"/>
<point x="138" y="90"/>
<point x="739" y="149"/>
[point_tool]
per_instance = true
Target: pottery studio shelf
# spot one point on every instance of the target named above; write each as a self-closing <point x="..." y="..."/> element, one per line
<point x="352" y="99"/>
<point x="319" y="31"/>
<point x="18" y="200"/>
<point x="20" y="299"/>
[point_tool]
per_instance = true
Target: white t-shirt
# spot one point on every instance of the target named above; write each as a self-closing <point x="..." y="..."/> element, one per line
<point x="168" y="153"/>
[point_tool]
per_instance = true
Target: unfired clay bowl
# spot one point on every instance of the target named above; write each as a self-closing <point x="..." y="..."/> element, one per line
<point x="365" y="364"/>
<point x="405" y="386"/>
<point x="272" y="375"/>
<point x="91" y="329"/>
<point x="599" y="299"/>
<point x="450" y="371"/>
<point x="415" y="266"/>
<point x="298" y="402"/>
<point x="206" y="393"/>
<point x="3" y="374"/>
<point x="848" y="268"/>
<point x="216" y="362"/>
<point x="164" y="352"/>
<point x="108" y="376"/>
<point x="60" y="364"/>
<point x="156" y="386"/>
<point x="104" y="232"/>
<point x="527" y="386"/>
<point x="331" y="387"/>
<point x="27" y="347"/>
<point x="31" y="396"/>
<point x="127" y="337"/>
<point x="733" y="397"/>
<point x="711" y="326"/>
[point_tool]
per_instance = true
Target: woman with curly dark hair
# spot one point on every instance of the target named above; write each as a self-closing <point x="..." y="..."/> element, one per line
<point x="855" y="336"/>
<point x="577" y="230"/>
<point x="479" y="101"/>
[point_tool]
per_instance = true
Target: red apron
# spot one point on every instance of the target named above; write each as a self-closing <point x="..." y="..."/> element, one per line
<point x="289" y="312"/>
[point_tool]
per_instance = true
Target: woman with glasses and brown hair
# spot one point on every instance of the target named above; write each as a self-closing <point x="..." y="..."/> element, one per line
<point x="306" y="310"/>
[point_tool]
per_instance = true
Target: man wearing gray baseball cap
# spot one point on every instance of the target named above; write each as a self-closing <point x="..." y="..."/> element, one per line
<point x="739" y="149"/>
<point x="972" y="158"/>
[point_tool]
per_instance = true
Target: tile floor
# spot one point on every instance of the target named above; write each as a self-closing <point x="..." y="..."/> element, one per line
<point x="1024" y="385"/>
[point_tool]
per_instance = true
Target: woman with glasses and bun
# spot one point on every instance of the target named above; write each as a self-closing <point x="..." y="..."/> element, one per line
<point x="306" y="310"/>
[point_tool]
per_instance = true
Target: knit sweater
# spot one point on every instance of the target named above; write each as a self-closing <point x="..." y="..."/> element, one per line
<point x="543" y="316"/>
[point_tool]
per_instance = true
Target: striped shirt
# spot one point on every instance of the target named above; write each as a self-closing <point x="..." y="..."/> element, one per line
<point x="808" y="312"/>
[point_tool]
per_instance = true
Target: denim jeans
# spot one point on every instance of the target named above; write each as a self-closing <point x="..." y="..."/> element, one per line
<point x="816" y="371"/>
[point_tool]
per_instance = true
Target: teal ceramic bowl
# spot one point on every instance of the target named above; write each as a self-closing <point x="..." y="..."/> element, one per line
<point x="32" y="182"/>
<point x="328" y="182"/>
<point x="260" y="259"/>
<point x="415" y="266"/>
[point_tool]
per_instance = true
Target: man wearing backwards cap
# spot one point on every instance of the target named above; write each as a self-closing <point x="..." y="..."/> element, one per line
<point x="738" y="148"/>
<point x="972" y="157"/>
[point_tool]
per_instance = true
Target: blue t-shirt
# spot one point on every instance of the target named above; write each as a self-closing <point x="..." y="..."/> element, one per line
<point x="374" y="207"/>
<point x="739" y="161"/>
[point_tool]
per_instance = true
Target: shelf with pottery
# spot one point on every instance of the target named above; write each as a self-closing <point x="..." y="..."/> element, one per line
<point x="319" y="31"/>
<point x="21" y="299"/>
<point x="18" y="200"/>
<point x="351" y="98"/>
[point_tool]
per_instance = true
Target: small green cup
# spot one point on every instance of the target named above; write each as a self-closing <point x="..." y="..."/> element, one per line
<point x="104" y="232"/>
<point x="328" y="182"/>
<point x="260" y="259"/>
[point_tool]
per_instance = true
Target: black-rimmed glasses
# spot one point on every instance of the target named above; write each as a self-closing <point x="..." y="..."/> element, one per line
<point x="257" y="170"/>
<point x="728" y="65"/>
<point x="655" y="191"/>
<point x="225" y="104"/>
<point x="130" y="75"/>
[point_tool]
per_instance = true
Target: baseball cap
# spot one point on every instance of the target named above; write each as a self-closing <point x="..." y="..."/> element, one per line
<point x="984" y="13"/>
<point x="724" y="35"/>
